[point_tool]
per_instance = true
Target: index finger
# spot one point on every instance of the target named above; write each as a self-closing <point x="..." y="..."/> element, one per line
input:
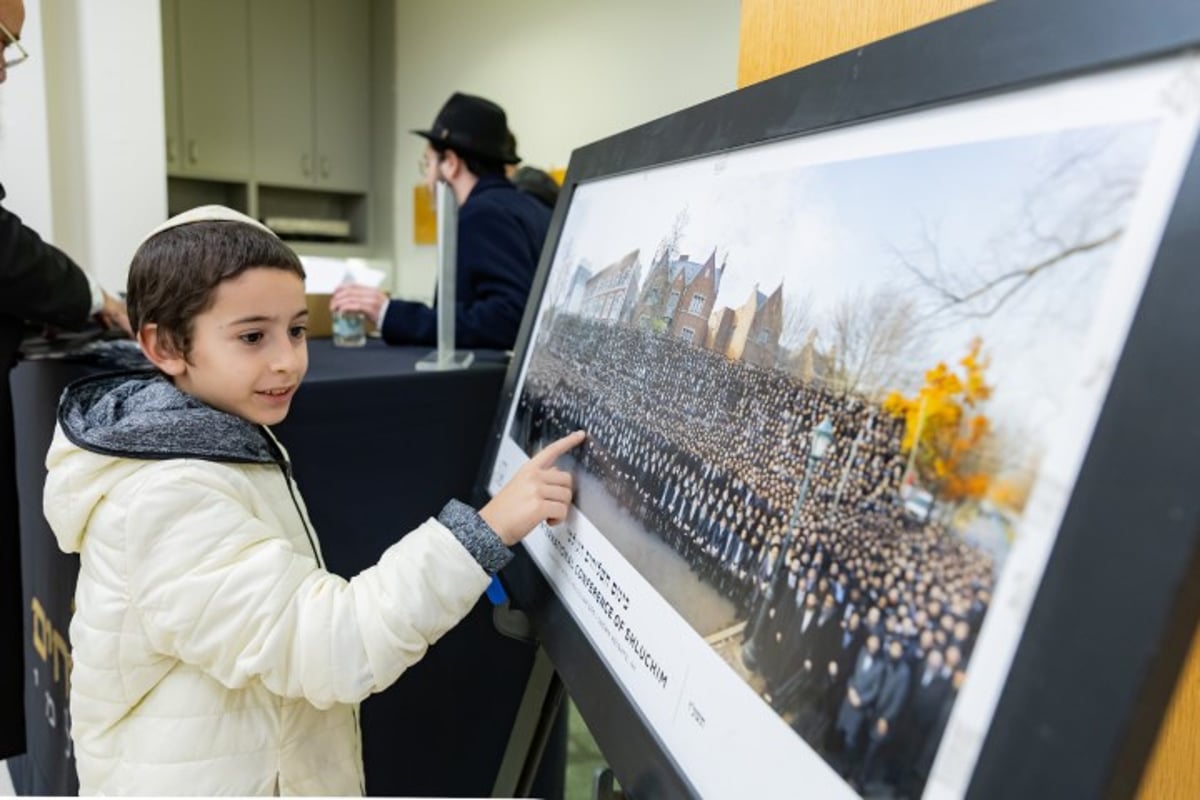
<point x="550" y="453"/>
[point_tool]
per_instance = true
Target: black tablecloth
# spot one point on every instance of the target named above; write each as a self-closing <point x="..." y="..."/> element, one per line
<point x="377" y="447"/>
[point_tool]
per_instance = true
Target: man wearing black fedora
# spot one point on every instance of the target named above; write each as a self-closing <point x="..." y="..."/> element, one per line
<point x="500" y="235"/>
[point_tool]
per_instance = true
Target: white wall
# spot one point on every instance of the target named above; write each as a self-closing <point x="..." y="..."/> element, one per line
<point x="82" y="133"/>
<point x="24" y="142"/>
<point x="568" y="72"/>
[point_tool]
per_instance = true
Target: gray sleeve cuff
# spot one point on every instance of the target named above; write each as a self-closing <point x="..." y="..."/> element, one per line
<point x="475" y="535"/>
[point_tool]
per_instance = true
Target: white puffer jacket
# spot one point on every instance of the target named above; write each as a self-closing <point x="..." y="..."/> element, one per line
<point x="213" y="654"/>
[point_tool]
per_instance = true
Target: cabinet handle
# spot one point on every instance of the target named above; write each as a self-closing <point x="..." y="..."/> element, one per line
<point x="305" y="165"/>
<point x="172" y="150"/>
<point x="324" y="166"/>
<point x="193" y="152"/>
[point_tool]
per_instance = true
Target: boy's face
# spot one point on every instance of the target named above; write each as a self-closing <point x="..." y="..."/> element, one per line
<point x="249" y="350"/>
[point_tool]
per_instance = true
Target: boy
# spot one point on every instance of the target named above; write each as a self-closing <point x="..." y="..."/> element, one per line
<point x="213" y="654"/>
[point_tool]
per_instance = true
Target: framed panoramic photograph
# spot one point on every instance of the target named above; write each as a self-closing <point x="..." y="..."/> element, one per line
<point x="888" y="373"/>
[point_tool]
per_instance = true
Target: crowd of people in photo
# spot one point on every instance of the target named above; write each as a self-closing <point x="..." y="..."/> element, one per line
<point x="860" y="620"/>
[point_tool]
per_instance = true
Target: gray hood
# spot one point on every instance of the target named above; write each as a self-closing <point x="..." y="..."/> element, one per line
<point x="111" y="425"/>
<point x="142" y="415"/>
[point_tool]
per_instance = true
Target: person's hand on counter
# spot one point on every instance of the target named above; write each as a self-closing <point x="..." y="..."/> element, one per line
<point x="114" y="314"/>
<point x="366" y="300"/>
<point x="539" y="491"/>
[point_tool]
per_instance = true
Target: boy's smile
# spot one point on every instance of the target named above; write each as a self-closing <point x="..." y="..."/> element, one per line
<point x="249" y="350"/>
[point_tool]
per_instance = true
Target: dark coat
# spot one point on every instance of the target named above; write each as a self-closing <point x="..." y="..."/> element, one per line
<point x="924" y="707"/>
<point x="929" y="746"/>
<point x="846" y="647"/>
<point x="40" y="284"/>
<point x="867" y="681"/>
<point x="500" y="235"/>
<point x="892" y="695"/>
<point x="816" y="645"/>
<point x="781" y="611"/>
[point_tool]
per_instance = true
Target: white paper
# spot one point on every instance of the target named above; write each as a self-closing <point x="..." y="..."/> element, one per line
<point x="326" y="274"/>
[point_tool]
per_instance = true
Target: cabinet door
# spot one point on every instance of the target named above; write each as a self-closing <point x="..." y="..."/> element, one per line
<point x="281" y="63"/>
<point x="170" y="38"/>
<point x="343" y="76"/>
<point x="214" y="78"/>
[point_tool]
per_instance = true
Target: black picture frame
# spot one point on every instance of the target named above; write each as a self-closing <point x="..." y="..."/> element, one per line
<point x="1118" y="602"/>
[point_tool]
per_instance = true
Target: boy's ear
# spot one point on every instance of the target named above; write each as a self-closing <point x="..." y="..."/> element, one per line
<point x="160" y="350"/>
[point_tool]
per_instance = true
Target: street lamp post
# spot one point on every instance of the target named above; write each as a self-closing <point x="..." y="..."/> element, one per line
<point x="841" y="487"/>
<point x="822" y="441"/>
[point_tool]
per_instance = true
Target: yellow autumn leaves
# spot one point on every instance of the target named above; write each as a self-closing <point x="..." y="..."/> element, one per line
<point x="943" y="422"/>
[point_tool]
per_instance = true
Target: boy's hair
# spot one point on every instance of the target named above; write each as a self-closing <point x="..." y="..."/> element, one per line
<point x="175" y="273"/>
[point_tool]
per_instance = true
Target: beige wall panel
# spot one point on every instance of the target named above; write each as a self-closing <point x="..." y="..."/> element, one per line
<point x="781" y="35"/>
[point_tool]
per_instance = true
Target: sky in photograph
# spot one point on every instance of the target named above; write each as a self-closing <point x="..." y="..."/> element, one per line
<point x="839" y="231"/>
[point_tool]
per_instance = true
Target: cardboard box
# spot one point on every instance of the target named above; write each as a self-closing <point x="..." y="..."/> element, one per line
<point x="320" y="325"/>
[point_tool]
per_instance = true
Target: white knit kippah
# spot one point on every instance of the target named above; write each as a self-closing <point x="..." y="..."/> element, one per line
<point x="212" y="213"/>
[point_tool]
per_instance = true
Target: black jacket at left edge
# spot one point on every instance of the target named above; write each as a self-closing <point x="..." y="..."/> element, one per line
<point x="38" y="283"/>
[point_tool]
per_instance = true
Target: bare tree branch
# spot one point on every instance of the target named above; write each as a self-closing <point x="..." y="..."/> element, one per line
<point x="871" y="340"/>
<point x="1018" y="278"/>
<point x="1075" y="207"/>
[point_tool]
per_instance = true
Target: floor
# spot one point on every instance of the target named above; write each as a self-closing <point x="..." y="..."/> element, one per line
<point x="583" y="758"/>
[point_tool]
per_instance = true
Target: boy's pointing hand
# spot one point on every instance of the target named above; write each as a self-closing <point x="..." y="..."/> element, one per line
<point x="539" y="491"/>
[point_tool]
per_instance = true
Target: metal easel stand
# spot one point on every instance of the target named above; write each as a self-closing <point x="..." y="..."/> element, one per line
<point x="540" y="705"/>
<point x="602" y="786"/>
<point x="446" y="357"/>
<point x="531" y="730"/>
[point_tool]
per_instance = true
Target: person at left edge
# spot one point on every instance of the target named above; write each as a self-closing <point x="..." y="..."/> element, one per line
<point x="42" y="285"/>
<point x="500" y="235"/>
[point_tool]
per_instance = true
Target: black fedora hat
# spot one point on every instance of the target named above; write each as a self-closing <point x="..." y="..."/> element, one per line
<point x="472" y="126"/>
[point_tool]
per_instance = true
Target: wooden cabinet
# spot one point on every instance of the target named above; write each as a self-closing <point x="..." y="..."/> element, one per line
<point x="205" y="71"/>
<point x="268" y="111"/>
<point x="310" y="84"/>
<point x="343" y="90"/>
<point x="170" y="37"/>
